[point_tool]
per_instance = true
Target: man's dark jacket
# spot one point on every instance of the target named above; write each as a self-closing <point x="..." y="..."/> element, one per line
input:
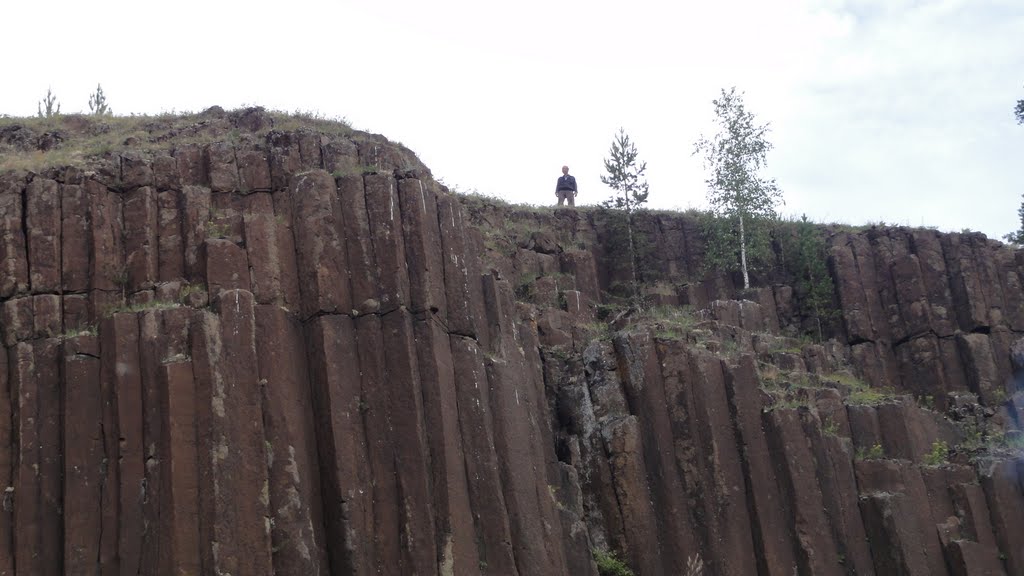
<point x="566" y="182"/>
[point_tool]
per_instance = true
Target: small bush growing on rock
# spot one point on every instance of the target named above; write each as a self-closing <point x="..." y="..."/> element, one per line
<point x="874" y="453"/>
<point x="804" y="255"/>
<point x="608" y="564"/>
<point x="938" y="455"/>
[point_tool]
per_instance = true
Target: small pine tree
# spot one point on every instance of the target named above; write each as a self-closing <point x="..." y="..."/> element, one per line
<point x="626" y="177"/>
<point x="45" y="107"/>
<point x="98" y="103"/>
<point x="734" y="156"/>
<point x="1017" y="236"/>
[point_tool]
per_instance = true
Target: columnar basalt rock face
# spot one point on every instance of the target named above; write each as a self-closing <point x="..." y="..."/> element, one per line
<point x="302" y="355"/>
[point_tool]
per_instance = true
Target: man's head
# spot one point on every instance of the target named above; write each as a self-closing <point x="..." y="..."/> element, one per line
<point x="565" y="170"/>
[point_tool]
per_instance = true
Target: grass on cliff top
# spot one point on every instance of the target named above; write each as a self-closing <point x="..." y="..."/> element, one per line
<point x="74" y="139"/>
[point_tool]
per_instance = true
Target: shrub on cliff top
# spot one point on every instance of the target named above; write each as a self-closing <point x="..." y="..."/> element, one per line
<point x="45" y="107"/>
<point x="98" y="103"/>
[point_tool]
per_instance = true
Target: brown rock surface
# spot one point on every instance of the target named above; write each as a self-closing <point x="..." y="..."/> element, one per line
<point x="294" y="352"/>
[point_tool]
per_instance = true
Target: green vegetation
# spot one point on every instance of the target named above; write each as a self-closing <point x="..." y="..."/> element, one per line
<point x="626" y="252"/>
<point x="142" y="306"/>
<point x="742" y="202"/>
<point x="722" y="239"/>
<point x="85" y="137"/>
<point x="938" y="455"/>
<point x="98" y="103"/>
<point x="1017" y="236"/>
<point x="874" y="453"/>
<point x="188" y="289"/>
<point x="45" y="107"/>
<point x="598" y="330"/>
<point x="626" y="177"/>
<point x="984" y="442"/>
<point x="860" y="392"/>
<point x="89" y="330"/>
<point x="829" y="427"/>
<point x="804" y="256"/>
<point x="670" y="322"/>
<point x="608" y="564"/>
<point x="310" y="120"/>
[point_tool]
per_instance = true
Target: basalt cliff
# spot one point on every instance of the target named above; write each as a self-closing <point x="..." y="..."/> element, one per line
<point x="239" y="343"/>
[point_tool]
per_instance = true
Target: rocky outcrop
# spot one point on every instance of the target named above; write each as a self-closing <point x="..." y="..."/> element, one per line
<point x="294" y="352"/>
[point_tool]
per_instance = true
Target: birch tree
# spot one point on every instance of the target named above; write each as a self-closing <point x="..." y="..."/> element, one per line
<point x="733" y="157"/>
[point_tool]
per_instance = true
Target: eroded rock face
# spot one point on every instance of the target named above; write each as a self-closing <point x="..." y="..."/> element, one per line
<point x="224" y="358"/>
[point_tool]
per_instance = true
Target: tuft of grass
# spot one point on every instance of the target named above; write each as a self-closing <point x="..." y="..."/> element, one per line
<point x="598" y="330"/>
<point x="874" y="453"/>
<point x="860" y="392"/>
<point x="310" y="119"/>
<point x="217" y="230"/>
<point x="89" y="330"/>
<point x="608" y="564"/>
<point x="669" y="322"/>
<point x="188" y="289"/>
<point x="141" y="306"/>
<point x="830" y="428"/>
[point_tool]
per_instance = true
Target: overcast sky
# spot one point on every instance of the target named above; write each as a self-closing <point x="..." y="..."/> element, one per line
<point x="881" y="110"/>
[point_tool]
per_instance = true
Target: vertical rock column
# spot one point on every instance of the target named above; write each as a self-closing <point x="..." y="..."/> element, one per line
<point x="84" y="455"/>
<point x="494" y="537"/>
<point x="234" y="500"/>
<point x="517" y="407"/>
<point x="297" y="534"/>
<point x="13" y="265"/>
<point x="122" y="373"/>
<point x="770" y="529"/>
<point x="453" y="518"/>
<point x="42" y="219"/>
<point x="38" y="520"/>
<point x="341" y="442"/>
<point x="795" y="467"/>
<point x="412" y="454"/>
<point x="180" y="545"/>
<point x="7" y="458"/>
<point x="645" y="390"/>
<point x="320" y="244"/>
<point x="106" y="266"/>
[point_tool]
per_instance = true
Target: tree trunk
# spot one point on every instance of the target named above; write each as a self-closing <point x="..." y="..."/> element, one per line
<point x="632" y="253"/>
<point x="743" y="255"/>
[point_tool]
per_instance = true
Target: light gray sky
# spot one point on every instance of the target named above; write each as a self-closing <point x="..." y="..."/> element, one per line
<point x="882" y="110"/>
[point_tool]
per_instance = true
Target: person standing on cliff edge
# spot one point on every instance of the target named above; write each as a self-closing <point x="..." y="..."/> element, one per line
<point x="565" y="189"/>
